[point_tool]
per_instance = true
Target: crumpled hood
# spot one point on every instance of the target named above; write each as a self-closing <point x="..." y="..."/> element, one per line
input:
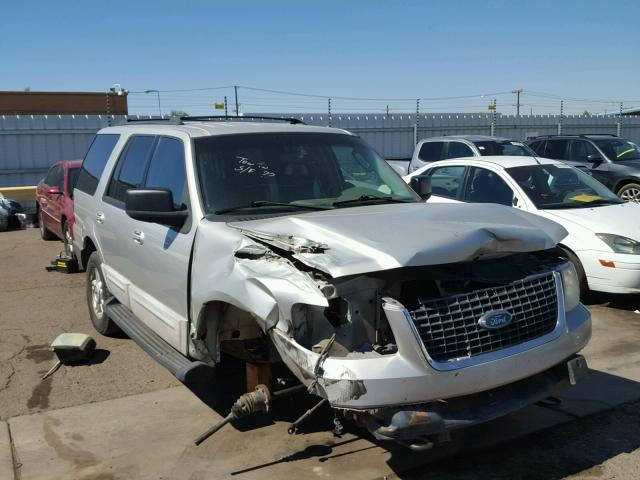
<point x="351" y="241"/>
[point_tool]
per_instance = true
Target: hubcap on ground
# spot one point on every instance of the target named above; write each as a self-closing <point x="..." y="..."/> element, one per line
<point x="631" y="194"/>
<point x="97" y="293"/>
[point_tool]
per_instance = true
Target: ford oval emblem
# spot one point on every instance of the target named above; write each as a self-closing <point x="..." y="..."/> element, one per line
<point x="495" y="319"/>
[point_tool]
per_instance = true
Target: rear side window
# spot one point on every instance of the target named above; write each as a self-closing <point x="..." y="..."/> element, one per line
<point x="167" y="170"/>
<point x="431" y="151"/>
<point x="556" y="149"/>
<point x="446" y="181"/>
<point x="538" y="146"/>
<point x="95" y="161"/>
<point x="458" y="149"/>
<point x="131" y="167"/>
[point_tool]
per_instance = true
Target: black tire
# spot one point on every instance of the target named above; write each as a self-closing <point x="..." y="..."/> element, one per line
<point x="629" y="192"/>
<point x="97" y="293"/>
<point x="66" y="239"/>
<point x="582" y="277"/>
<point x="44" y="232"/>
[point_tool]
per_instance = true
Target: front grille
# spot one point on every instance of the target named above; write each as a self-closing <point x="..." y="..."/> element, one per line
<point x="449" y="326"/>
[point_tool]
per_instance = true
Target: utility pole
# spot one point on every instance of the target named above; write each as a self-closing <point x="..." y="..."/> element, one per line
<point x="226" y="112"/>
<point x="235" y="89"/>
<point x="517" y="92"/>
<point x="561" y="117"/>
<point x="417" y="123"/>
<point x="619" y="129"/>
<point x="494" y="118"/>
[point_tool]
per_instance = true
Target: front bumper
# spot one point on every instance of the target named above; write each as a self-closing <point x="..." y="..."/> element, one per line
<point x="419" y="425"/>
<point x="360" y="382"/>
<point x="624" y="277"/>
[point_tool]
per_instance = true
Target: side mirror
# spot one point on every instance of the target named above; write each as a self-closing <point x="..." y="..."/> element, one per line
<point x="421" y="184"/>
<point x="594" y="158"/>
<point x="154" y="206"/>
<point x="54" y="190"/>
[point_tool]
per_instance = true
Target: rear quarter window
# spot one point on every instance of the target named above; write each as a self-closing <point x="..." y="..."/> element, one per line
<point x="431" y="151"/>
<point x="95" y="161"/>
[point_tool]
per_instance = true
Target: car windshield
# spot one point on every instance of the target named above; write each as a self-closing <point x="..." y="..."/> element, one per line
<point x="617" y="149"/>
<point x="504" y="147"/>
<point x="560" y="186"/>
<point x="293" y="171"/>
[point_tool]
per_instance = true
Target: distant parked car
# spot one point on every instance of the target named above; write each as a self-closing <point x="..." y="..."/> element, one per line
<point x="455" y="146"/>
<point x="11" y="214"/>
<point x="603" y="244"/>
<point x="612" y="160"/>
<point x="54" y="196"/>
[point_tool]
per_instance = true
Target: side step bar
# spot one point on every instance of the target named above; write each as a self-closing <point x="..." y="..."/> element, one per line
<point x="181" y="367"/>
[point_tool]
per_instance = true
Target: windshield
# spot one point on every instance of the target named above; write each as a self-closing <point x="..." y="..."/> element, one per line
<point x="504" y="147"/>
<point x="560" y="186"/>
<point x="617" y="149"/>
<point x="276" y="171"/>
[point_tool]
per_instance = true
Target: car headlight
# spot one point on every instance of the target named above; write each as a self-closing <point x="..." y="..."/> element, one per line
<point x="620" y="244"/>
<point x="570" y="286"/>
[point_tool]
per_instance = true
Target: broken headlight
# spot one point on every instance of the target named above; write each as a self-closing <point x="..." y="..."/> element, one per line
<point x="570" y="286"/>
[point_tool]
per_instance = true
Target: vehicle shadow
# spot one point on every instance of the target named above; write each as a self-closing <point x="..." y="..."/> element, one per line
<point x="601" y="421"/>
<point x="594" y="423"/>
<point x="630" y="302"/>
<point x="221" y="388"/>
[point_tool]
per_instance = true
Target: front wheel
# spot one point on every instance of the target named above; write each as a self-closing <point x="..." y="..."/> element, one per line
<point x="97" y="294"/>
<point x="67" y="240"/>
<point x="630" y="192"/>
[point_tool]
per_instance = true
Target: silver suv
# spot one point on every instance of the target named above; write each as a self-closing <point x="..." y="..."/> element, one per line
<point x="434" y="149"/>
<point x="280" y="242"/>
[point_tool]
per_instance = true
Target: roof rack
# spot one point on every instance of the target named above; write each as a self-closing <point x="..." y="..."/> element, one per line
<point x="162" y="121"/>
<point x="587" y="135"/>
<point x="581" y="135"/>
<point x="213" y="118"/>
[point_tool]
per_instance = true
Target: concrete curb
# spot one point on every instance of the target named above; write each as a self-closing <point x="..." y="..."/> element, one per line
<point x="6" y="453"/>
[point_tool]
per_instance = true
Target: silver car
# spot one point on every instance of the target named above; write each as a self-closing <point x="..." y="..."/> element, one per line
<point x="281" y="242"/>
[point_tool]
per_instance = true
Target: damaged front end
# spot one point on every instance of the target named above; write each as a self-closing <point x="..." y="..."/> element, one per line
<point x="411" y="350"/>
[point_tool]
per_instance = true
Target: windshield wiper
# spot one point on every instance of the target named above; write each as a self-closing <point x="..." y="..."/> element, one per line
<point x="595" y="203"/>
<point x="266" y="203"/>
<point x="369" y="198"/>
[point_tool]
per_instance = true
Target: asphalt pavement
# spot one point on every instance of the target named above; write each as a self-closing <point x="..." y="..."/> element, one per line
<point x="123" y="416"/>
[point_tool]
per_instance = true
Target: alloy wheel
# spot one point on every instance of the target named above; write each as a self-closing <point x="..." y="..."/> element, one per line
<point x="97" y="293"/>
<point x="630" y="194"/>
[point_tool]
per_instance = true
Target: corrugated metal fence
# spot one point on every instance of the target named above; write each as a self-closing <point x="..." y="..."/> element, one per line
<point x="30" y="144"/>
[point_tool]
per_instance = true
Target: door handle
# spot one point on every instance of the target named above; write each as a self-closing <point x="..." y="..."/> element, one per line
<point x="100" y="217"/>
<point x="138" y="237"/>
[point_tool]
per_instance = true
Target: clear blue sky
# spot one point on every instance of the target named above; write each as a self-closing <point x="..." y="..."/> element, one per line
<point x="334" y="48"/>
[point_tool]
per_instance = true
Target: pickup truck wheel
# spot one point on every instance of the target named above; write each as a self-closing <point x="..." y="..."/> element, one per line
<point x="630" y="192"/>
<point x="97" y="294"/>
<point x="44" y="232"/>
<point x="582" y="277"/>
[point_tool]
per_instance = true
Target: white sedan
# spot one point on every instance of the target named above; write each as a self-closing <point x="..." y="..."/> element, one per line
<point x="604" y="232"/>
